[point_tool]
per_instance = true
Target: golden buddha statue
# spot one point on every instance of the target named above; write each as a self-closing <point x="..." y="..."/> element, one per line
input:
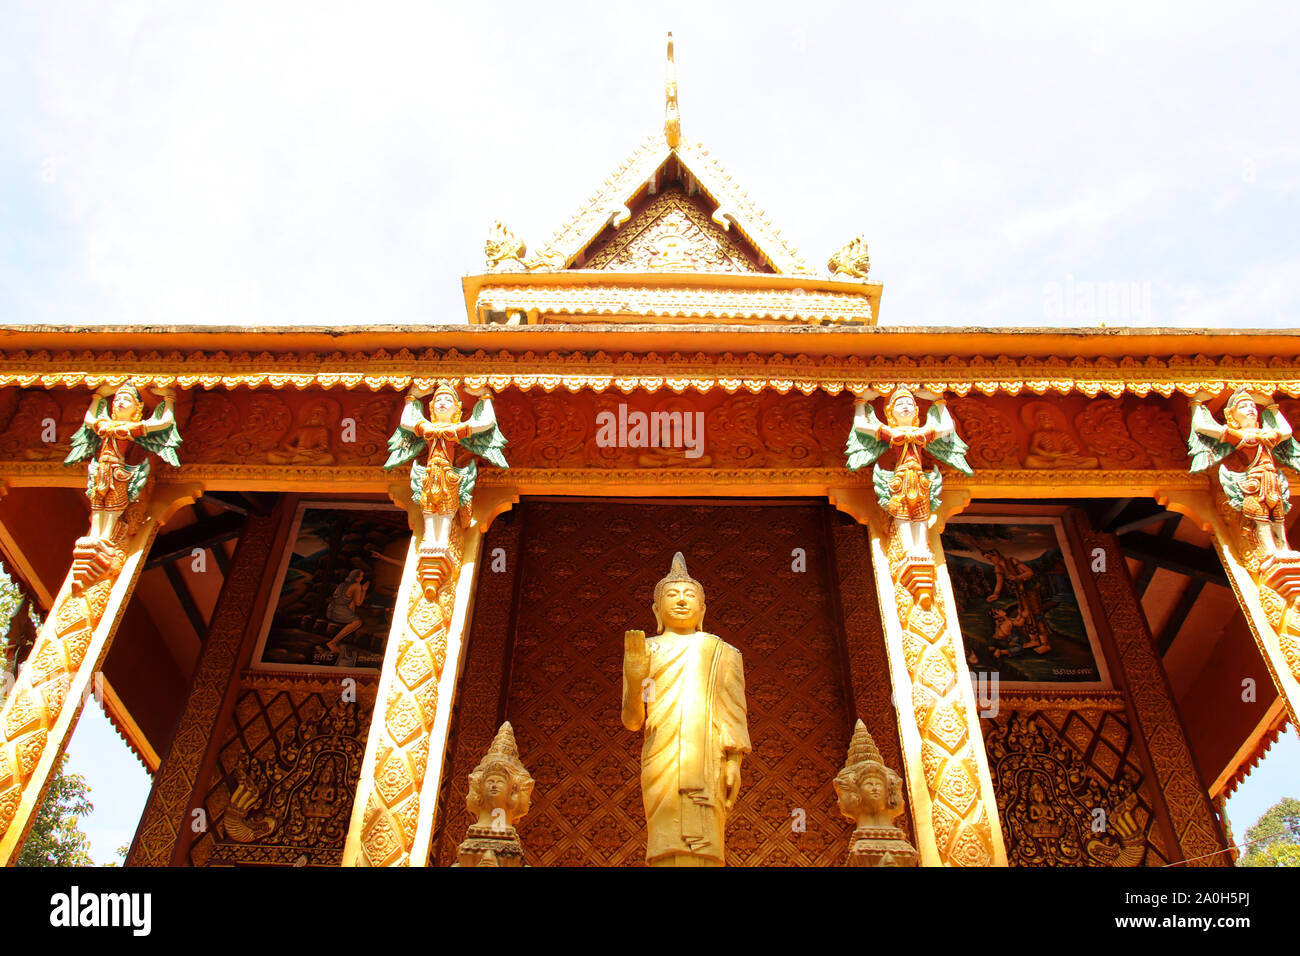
<point x="686" y="687"/>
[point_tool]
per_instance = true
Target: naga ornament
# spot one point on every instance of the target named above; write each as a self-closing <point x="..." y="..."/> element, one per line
<point x="440" y="487"/>
<point x="851" y="261"/>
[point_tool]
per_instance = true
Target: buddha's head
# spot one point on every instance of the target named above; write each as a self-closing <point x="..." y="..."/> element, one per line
<point x="679" y="600"/>
<point x="127" y="405"/>
<point x="446" y="404"/>
<point x="317" y="414"/>
<point x="901" y="409"/>
<point x="1241" y="410"/>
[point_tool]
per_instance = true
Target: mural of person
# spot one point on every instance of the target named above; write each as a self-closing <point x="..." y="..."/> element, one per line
<point x="348" y="596"/>
<point x="1019" y="577"/>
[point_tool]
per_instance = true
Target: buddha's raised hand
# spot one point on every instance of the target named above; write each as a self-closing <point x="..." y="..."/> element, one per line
<point x="636" y="659"/>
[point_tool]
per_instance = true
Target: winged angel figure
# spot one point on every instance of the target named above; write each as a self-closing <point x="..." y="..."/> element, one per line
<point x="440" y="487"/>
<point x="1250" y="451"/>
<point x="106" y="438"/>
<point x="908" y="493"/>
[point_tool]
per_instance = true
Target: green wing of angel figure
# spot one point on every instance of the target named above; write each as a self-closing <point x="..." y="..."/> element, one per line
<point x="1287" y="451"/>
<point x="85" y="443"/>
<point x="880" y="479"/>
<point x="947" y="446"/>
<point x="1231" y="482"/>
<point x="1204" y="450"/>
<point x="163" y="442"/>
<point x="404" y="444"/>
<point x="139" y="475"/>
<point x="485" y="438"/>
<point x="863" y="447"/>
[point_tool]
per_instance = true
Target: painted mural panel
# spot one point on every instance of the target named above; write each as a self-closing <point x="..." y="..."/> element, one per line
<point x="337" y="586"/>
<point x="1023" y="613"/>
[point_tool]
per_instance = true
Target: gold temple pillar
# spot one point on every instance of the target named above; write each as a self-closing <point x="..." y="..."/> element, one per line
<point x="954" y="807"/>
<point x="39" y="714"/>
<point x="1250" y="594"/>
<point x="397" y="796"/>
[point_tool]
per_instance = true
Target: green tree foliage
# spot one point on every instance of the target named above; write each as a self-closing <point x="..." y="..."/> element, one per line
<point x="11" y="596"/>
<point x="1274" y="840"/>
<point x="55" y="838"/>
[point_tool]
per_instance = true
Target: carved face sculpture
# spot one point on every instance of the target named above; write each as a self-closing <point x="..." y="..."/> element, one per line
<point x="681" y="606"/>
<point x="903" y="411"/>
<point x="1036" y="794"/>
<point x="875" y="789"/>
<point x="496" y="787"/>
<point x="1243" y="413"/>
<point x="446" y="406"/>
<point x="127" y="406"/>
<point x="316" y="415"/>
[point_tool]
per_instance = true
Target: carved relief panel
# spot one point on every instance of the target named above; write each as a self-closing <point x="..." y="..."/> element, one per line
<point x="286" y="774"/>
<point x="1070" y="789"/>
<point x="673" y="234"/>
<point x="1072" y="432"/>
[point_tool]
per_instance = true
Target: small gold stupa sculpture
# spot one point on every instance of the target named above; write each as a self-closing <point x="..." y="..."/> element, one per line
<point x="500" y="789"/>
<point x="871" y="795"/>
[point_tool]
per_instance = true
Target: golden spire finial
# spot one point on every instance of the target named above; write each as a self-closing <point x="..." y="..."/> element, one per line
<point x="672" y="119"/>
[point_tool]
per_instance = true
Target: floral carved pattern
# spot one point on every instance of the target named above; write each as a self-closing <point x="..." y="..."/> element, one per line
<point x="948" y="759"/>
<point x="409" y="707"/>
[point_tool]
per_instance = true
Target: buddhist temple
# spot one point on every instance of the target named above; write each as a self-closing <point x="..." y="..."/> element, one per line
<point x="330" y="584"/>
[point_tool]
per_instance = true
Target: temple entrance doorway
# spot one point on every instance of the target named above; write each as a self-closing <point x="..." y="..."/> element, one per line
<point x="561" y="579"/>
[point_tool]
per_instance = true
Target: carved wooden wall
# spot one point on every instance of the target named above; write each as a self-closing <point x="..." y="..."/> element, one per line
<point x="588" y="571"/>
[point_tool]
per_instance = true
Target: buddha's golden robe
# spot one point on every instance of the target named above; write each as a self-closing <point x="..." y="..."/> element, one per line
<point x="695" y="715"/>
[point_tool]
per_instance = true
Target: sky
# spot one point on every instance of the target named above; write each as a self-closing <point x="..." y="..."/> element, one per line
<point x="341" y="163"/>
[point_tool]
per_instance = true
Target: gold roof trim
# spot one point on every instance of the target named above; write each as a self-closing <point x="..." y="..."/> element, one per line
<point x="625" y="371"/>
